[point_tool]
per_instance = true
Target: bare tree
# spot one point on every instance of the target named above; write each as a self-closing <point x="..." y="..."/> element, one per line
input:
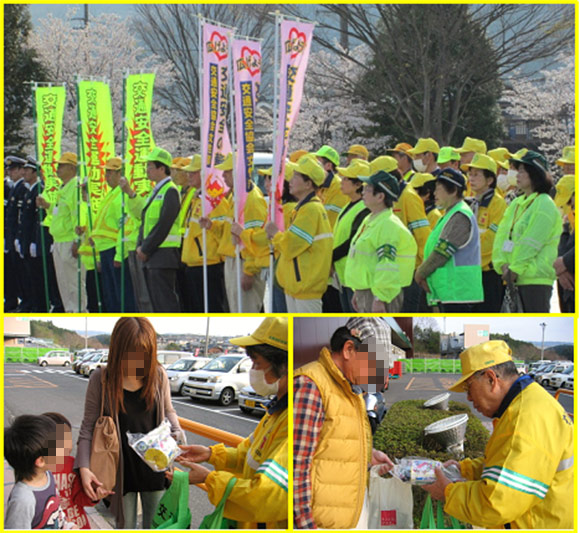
<point x="428" y="63"/>
<point x="171" y="31"/>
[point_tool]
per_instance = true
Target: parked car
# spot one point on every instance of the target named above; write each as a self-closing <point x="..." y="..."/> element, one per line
<point x="76" y="366"/>
<point x="168" y="357"/>
<point x="537" y="368"/>
<point x="250" y="401"/>
<point x="569" y="383"/>
<point x="55" y="357"/>
<point x="179" y="371"/>
<point x="99" y="360"/>
<point x="376" y="409"/>
<point x="221" y="379"/>
<point x="557" y="379"/>
<point x="543" y="378"/>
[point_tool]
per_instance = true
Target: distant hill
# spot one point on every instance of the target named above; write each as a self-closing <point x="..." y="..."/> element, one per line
<point x="549" y="344"/>
<point x="62" y="337"/>
<point x="528" y="351"/>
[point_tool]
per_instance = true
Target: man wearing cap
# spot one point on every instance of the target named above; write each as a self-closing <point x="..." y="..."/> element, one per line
<point x="382" y="254"/>
<point x="347" y="224"/>
<point x="356" y="151"/>
<point x="332" y="436"/>
<point x="305" y="248"/>
<point x="488" y="207"/>
<point x="448" y="157"/>
<point x="424" y="185"/>
<point x="525" y="480"/>
<point x="13" y="267"/>
<point x="65" y="218"/>
<point x="159" y="238"/>
<point x="404" y="160"/>
<point x="259" y="463"/>
<point x="192" y="252"/>
<point x="329" y="191"/>
<point x="470" y="148"/>
<point x="104" y="236"/>
<point x="451" y="271"/>
<point x="425" y="155"/>
<point x="568" y="160"/>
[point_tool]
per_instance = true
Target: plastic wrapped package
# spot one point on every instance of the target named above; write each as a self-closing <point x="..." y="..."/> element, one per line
<point x="157" y="448"/>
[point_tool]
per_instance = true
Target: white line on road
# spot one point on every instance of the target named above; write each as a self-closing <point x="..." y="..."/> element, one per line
<point x="216" y="412"/>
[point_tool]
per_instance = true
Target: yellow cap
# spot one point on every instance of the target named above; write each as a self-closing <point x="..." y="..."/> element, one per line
<point x="419" y="179"/>
<point x="296" y="155"/>
<point x="564" y="189"/>
<point x="265" y="171"/>
<point x="567" y="156"/>
<point x="425" y="145"/>
<point x="115" y="163"/>
<point x="479" y="357"/>
<point x="385" y="163"/>
<point x="357" y="149"/>
<point x="481" y="161"/>
<point x="357" y="167"/>
<point x="473" y="145"/>
<point x="309" y="166"/>
<point x="228" y="163"/>
<point x="501" y="157"/>
<point x="272" y="331"/>
<point x="194" y="165"/>
<point x="68" y="158"/>
<point x="180" y="162"/>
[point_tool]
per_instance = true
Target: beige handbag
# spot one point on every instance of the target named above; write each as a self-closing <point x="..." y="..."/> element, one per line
<point x="105" y="449"/>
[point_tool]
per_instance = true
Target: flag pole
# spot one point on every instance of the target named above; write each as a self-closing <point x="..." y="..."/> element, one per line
<point x="201" y="132"/>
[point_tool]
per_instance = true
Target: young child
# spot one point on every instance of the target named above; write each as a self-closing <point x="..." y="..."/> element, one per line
<point x="68" y="482"/>
<point x="33" y="448"/>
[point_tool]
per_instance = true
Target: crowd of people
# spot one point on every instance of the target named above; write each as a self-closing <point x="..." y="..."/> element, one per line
<point x="421" y="228"/>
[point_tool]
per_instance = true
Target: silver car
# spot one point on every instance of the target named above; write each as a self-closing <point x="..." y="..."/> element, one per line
<point x="178" y="371"/>
<point x="56" y="357"/>
<point x="249" y="400"/>
<point x="99" y="360"/>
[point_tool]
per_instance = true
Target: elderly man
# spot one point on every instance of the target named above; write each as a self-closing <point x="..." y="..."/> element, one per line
<point x="526" y="478"/>
<point x="332" y="435"/>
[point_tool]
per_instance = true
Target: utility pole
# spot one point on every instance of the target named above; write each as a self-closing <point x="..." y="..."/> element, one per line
<point x="86" y="333"/>
<point x="206" y="337"/>
<point x="543" y="326"/>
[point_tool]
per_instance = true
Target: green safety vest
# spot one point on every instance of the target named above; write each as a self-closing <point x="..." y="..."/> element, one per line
<point x="108" y="220"/>
<point x="342" y="230"/>
<point x="459" y="280"/>
<point x="151" y="217"/>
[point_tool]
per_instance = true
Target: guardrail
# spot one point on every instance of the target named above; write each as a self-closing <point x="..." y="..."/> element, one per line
<point x="218" y="435"/>
<point x="567" y="393"/>
<point x="435" y="365"/>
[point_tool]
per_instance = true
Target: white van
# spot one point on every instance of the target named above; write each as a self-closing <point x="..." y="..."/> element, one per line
<point x="168" y="357"/>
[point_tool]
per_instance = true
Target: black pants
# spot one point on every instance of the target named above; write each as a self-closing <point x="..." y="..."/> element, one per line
<point x="535" y="298"/>
<point x="493" y="291"/>
<point x="412" y="298"/>
<point x="217" y="301"/>
<point x="456" y="308"/>
<point x="161" y="287"/>
<point x="91" y="288"/>
<point x="331" y="301"/>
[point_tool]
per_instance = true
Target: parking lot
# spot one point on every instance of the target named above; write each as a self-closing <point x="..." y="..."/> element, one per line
<point x="30" y="389"/>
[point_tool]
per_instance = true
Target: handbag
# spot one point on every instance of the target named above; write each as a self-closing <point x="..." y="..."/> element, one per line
<point x="216" y="519"/>
<point x="105" y="449"/>
<point x="428" y="520"/>
<point x="512" y="301"/>
<point x="173" y="509"/>
<point x="390" y="503"/>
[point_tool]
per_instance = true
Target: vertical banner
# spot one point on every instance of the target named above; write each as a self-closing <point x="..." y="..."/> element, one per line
<point x="215" y="140"/>
<point x="138" y="133"/>
<point x="295" y="41"/>
<point x="97" y="138"/>
<point x="49" y="111"/>
<point x="247" y="61"/>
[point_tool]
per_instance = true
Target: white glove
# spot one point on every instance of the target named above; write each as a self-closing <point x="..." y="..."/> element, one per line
<point x="32" y="249"/>
<point x="17" y="247"/>
<point x="52" y="248"/>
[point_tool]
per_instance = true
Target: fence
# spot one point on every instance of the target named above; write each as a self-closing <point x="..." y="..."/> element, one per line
<point x="20" y="354"/>
<point x="439" y="366"/>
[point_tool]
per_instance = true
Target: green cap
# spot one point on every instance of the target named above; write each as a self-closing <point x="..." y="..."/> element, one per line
<point x="448" y="153"/>
<point x="330" y="153"/>
<point x="385" y="181"/>
<point x="160" y="156"/>
<point x="531" y="158"/>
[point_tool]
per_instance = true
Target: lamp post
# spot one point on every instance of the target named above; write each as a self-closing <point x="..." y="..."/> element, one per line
<point x="543" y="326"/>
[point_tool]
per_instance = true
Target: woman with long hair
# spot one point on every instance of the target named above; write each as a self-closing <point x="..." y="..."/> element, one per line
<point x="135" y="392"/>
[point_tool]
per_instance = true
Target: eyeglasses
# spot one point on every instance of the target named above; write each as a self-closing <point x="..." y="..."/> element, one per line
<point x="469" y="382"/>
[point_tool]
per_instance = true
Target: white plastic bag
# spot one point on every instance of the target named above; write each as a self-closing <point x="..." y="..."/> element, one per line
<point x="390" y="502"/>
<point x="157" y="448"/>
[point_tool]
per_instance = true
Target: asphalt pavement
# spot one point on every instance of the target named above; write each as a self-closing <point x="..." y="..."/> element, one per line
<point x="30" y="389"/>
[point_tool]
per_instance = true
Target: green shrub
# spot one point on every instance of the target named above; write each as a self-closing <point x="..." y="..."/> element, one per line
<point x="401" y="435"/>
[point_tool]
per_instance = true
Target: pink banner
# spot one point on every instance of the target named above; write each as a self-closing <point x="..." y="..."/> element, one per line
<point x="295" y="41"/>
<point x="215" y="140"/>
<point x="247" y="57"/>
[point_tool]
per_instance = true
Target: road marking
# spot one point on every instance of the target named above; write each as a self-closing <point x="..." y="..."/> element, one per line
<point x="215" y="411"/>
<point x="409" y="384"/>
<point x="28" y="382"/>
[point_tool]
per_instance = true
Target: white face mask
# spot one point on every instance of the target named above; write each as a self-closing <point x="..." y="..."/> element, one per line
<point x="260" y="385"/>
<point x="419" y="165"/>
<point x="512" y="177"/>
<point x="502" y="182"/>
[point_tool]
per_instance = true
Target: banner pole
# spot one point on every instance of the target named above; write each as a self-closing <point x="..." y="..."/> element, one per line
<point x="203" y="230"/>
<point x="79" y="150"/>
<point x="34" y="87"/>
<point x="123" y="126"/>
<point x="275" y="166"/>
<point x="235" y="191"/>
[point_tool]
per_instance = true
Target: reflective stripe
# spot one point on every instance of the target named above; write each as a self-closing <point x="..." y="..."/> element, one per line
<point x="277" y="473"/>
<point x="173" y="238"/>
<point x="253" y="224"/>
<point x="252" y="463"/>
<point x="416" y="224"/>
<point x="516" y="481"/>
<point x="332" y="207"/>
<point x="323" y="236"/>
<point x="301" y="233"/>
<point x="565" y="464"/>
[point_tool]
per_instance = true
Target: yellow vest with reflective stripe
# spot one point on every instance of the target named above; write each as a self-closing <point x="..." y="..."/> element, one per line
<point x="152" y="214"/>
<point x="107" y="222"/>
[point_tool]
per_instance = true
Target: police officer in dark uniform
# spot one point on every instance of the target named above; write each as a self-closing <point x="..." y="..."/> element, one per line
<point x="13" y="263"/>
